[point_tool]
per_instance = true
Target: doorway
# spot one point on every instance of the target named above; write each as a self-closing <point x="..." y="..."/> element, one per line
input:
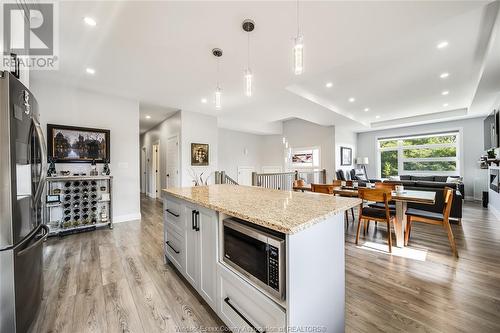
<point x="156" y="179"/>
<point x="173" y="161"/>
<point x="144" y="179"/>
<point x="245" y="175"/>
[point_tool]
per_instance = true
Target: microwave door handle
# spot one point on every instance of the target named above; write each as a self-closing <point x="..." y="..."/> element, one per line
<point x="227" y="301"/>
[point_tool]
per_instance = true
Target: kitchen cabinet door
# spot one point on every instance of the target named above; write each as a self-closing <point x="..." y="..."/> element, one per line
<point x="207" y="222"/>
<point x="191" y="246"/>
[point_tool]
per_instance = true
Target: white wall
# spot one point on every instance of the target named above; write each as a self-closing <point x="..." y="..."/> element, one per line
<point x="197" y="128"/>
<point x="472" y="146"/>
<point x="162" y="132"/>
<point x="300" y="134"/>
<point x="345" y="138"/>
<point x="64" y="105"/>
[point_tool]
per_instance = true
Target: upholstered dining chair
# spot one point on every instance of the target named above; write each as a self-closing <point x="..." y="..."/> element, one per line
<point x="417" y="215"/>
<point x="387" y="186"/>
<point x="368" y="213"/>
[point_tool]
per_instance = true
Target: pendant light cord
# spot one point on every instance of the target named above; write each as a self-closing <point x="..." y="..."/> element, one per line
<point x="248" y="50"/>
<point x="298" y="22"/>
<point x="218" y="60"/>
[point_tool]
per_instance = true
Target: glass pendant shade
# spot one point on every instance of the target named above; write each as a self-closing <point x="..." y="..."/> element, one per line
<point x="298" y="55"/>
<point x="218" y="93"/>
<point x="248" y="82"/>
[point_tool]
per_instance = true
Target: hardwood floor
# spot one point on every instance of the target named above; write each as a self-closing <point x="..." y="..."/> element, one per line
<point x="116" y="281"/>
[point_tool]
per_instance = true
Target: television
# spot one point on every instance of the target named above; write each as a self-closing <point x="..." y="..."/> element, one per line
<point x="491" y="128"/>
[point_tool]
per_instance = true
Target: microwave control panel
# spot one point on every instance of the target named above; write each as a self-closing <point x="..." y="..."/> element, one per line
<point x="273" y="267"/>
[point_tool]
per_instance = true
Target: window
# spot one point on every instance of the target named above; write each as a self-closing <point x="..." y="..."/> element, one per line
<point x="422" y="154"/>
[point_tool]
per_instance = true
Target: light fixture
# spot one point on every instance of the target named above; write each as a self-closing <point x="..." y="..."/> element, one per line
<point x="366" y="109"/>
<point x="445" y="104"/>
<point x="248" y="26"/>
<point x="444" y="93"/>
<point x="329" y="85"/>
<point x="442" y="45"/>
<point x="284" y="140"/>
<point x="89" y="21"/>
<point x="90" y="71"/>
<point x="298" y="49"/>
<point x="377" y="117"/>
<point x="218" y="91"/>
<point x="204" y="100"/>
<point x="148" y="117"/>
<point x="444" y="75"/>
<point x="352" y="99"/>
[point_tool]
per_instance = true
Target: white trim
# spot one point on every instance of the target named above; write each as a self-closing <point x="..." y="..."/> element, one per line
<point x="126" y="217"/>
<point x="155" y="170"/>
<point x="494" y="210"/>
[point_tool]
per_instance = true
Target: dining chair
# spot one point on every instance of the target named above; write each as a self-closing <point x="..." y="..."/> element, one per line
<point x="368" y="213"/>
<point x="417" y="215"/>
<point x="298" y="183"/>
<point x="387" y="186"/>
<point x="337" y="183"/>
<point x="322" y="188"/>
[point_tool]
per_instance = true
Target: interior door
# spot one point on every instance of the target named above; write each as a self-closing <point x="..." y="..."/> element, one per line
<point x="245" y="175"/>
<point x="173" y="162"/>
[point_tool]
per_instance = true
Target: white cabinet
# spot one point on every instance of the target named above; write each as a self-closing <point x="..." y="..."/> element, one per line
<point x="201" y="250"/>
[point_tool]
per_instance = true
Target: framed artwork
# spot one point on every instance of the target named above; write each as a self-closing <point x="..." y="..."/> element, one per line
<point x="70" y="144"/>
<point x="345" y="156"/>
<point x="199" y="154"/>
<point x="302" y="158"/>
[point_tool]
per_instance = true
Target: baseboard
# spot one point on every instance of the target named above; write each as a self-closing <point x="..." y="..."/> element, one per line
<point x="494" y="211"/>
<point x="151" y="195"/>
<point x="126" y="218"/>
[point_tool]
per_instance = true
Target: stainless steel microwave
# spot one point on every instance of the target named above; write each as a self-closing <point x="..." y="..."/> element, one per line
<point x="257" y="253"/>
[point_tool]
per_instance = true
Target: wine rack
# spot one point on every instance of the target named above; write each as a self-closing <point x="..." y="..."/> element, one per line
<point x="78" y="203"/>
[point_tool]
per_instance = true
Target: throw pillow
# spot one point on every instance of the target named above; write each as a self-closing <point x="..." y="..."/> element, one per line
<point x="394" y="178"/>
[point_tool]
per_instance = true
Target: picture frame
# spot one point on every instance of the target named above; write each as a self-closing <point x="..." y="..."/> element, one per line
<point x="345" y="156"/>
<point x="72" y="144"/>
<point x="200" y="154"/>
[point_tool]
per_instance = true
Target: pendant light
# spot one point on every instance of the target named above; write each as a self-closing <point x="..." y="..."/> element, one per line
<point x="218" y="91"/>
<point x="298" y="48"/>
<point x="248" y="26"/>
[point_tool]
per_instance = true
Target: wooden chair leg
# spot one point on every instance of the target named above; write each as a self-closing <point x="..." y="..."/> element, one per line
<point x="389" y="235"/>
<point x="346" y="216"/>
<point x="367" y="224"/>
<point x="352" y="213"/>
<point x="451" y="238"/>
<point x="358" y="230"/>
<point x="408" y="230"/>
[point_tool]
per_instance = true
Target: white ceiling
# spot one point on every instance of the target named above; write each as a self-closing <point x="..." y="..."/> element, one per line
<point x="152" y="115"/>
<point x="382" y="53"/>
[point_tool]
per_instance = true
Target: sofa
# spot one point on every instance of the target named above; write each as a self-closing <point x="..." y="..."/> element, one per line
<point x="437" y="185"/>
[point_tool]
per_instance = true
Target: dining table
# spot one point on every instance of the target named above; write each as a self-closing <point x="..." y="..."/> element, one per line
<point x="402" y="199"/>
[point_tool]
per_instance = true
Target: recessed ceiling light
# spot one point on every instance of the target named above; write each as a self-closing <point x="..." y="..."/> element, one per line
<point x="329" y="85"/>
<point x="352" y="99"/>
<point x="442" y="45"/>
<point x="204" y="100"/>
<point x="444" y="93"/>
<point x="89" y="21"/>
<point x="377" y="117"/>
<point x="148" y="117"/>
<point x="366" y="109"/>
<point x="445" y="104"/>
<point x="90" y="71"/>
<point x="444" y="75"/>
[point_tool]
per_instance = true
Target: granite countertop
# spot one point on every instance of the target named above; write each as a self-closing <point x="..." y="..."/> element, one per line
<point x="284" y="211"/>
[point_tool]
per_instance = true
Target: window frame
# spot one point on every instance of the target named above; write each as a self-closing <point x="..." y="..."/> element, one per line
<point x="401" y="159"/>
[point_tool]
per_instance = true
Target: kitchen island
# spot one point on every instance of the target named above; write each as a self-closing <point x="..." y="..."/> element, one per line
<point x="264" y="260"/>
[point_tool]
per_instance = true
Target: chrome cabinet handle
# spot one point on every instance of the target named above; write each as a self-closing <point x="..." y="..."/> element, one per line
<point x="227" y="301"/>
<point x="169" y="211"/>
<point x="170" y="246"/>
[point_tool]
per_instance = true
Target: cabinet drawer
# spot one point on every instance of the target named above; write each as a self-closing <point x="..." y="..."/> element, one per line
<point x="173" y="214"/>
<point x="240" y="305"/>
<point x="174" y="248"/>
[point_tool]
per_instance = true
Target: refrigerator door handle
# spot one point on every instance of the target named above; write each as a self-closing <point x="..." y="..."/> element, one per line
<point x="41" y="238"/>
<point x="43" y="149"/>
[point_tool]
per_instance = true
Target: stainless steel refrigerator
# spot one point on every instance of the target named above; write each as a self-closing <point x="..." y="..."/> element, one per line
<point x="22" y="180"/>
